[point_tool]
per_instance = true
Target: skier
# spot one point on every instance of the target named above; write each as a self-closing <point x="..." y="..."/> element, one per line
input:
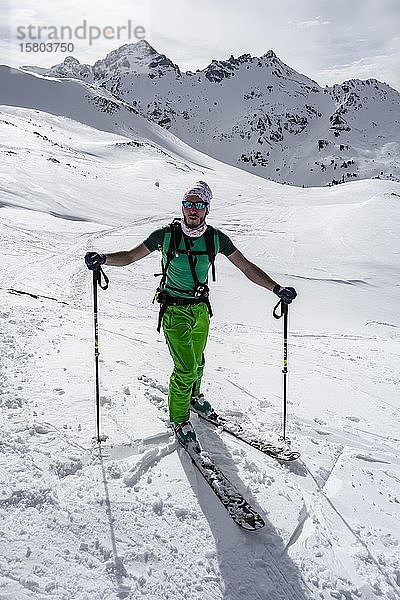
<point x="188" y="248"/>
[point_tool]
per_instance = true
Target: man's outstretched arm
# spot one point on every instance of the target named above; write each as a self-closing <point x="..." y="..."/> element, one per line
<point x="126" y="257"/>
<point x="252" y="272"/>
<point x="258" y="276"/>
<point x="94" y="260"/>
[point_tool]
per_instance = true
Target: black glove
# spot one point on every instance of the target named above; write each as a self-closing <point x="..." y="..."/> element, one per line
<point x="286" y="294"/>
<point x="94" y="260"/>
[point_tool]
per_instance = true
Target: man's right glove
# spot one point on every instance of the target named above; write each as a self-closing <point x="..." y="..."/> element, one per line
<point x="94" y="260"/>
<point x="286" y="294"/>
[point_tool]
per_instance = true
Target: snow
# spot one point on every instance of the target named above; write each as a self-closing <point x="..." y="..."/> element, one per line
<point x="136" y="519"/>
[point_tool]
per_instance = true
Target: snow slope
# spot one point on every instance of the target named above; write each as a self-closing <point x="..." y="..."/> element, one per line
<point x="258" y="113"/>
<point x="88" y="105"/>
<point x="138" y="521"/>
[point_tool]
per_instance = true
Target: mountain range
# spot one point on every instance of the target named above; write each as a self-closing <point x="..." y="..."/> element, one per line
<point x="257" y="113"/>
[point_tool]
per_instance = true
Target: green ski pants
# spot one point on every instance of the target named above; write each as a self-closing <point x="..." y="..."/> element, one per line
<point x="186" y="330"/>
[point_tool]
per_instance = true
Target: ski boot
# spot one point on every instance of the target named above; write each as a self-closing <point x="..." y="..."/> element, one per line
<point x="185" y="433"/>
<point x="201" y="406"/>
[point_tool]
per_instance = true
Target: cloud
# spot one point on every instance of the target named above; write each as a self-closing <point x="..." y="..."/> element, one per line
<point x="384" y="67"/>
<point x="317" y="22"/>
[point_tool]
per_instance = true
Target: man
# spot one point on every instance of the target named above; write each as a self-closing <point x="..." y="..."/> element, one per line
<point x="188" y="250"/>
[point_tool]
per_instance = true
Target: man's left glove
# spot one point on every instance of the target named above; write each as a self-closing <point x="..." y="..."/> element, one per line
<point x="286" y="294"/>
<point x="94" y="260"/>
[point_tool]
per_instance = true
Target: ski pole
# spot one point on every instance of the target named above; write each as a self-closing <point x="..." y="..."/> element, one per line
<point x="284" y="313"/>
<point x="97" y="274"/>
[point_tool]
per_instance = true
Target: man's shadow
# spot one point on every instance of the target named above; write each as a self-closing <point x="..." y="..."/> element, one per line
<point x="253" y="564"/>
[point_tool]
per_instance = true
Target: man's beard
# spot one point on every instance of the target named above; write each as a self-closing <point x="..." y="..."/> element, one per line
<point x="192" y="225"/>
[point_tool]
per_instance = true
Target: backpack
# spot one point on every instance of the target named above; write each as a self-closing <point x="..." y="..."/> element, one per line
<point x="201" y="290"/>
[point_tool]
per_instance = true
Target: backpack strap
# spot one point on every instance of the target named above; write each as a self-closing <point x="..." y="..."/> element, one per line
<point x="210" y="245"/>
<point x="210" y="250"/>
<point x="174" y="241"/>
<point x="192" y="259"/>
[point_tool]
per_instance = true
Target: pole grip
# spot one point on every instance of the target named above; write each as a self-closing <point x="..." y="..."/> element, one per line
<point x="284" y="309"/>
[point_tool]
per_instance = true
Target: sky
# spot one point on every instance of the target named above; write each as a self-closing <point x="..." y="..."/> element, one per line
<point x="329" y="41"/>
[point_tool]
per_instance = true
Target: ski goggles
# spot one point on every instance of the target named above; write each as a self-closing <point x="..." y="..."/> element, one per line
<point x="200" y="205"/>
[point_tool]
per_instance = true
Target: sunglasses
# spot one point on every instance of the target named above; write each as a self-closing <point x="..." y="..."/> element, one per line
<point x="199" y="205"/>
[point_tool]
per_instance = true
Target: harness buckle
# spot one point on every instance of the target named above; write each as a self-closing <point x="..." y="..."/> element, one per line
<point x="202" y="291"/>
<point x="160" y="296"/>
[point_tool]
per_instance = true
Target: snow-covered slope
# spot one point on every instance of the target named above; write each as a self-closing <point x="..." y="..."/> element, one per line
<point x="140" y="522"/>
<point x="258" y="113"/>
<point x="88" y="105"/>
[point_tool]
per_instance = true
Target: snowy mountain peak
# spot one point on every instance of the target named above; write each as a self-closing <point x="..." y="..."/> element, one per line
<point x="357" y="91"/>
<point x="269" y="62"/>
<point x="140" y="57"/>
<point x="140" y="51"/>
<point x="143" y="46"/>
<point x="218" y="70"/>
<point x="71" y="61"/>
<point x="270" y="54"/>
<point x="243" y="58"/>
<point x="270" y="58"/>
<point x="71" y="67"/>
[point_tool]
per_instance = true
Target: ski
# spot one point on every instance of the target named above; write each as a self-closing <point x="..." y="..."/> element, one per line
<point x="281" y="454"/>
<point x="234" y="429"/>
<point x="237" y="507"/>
